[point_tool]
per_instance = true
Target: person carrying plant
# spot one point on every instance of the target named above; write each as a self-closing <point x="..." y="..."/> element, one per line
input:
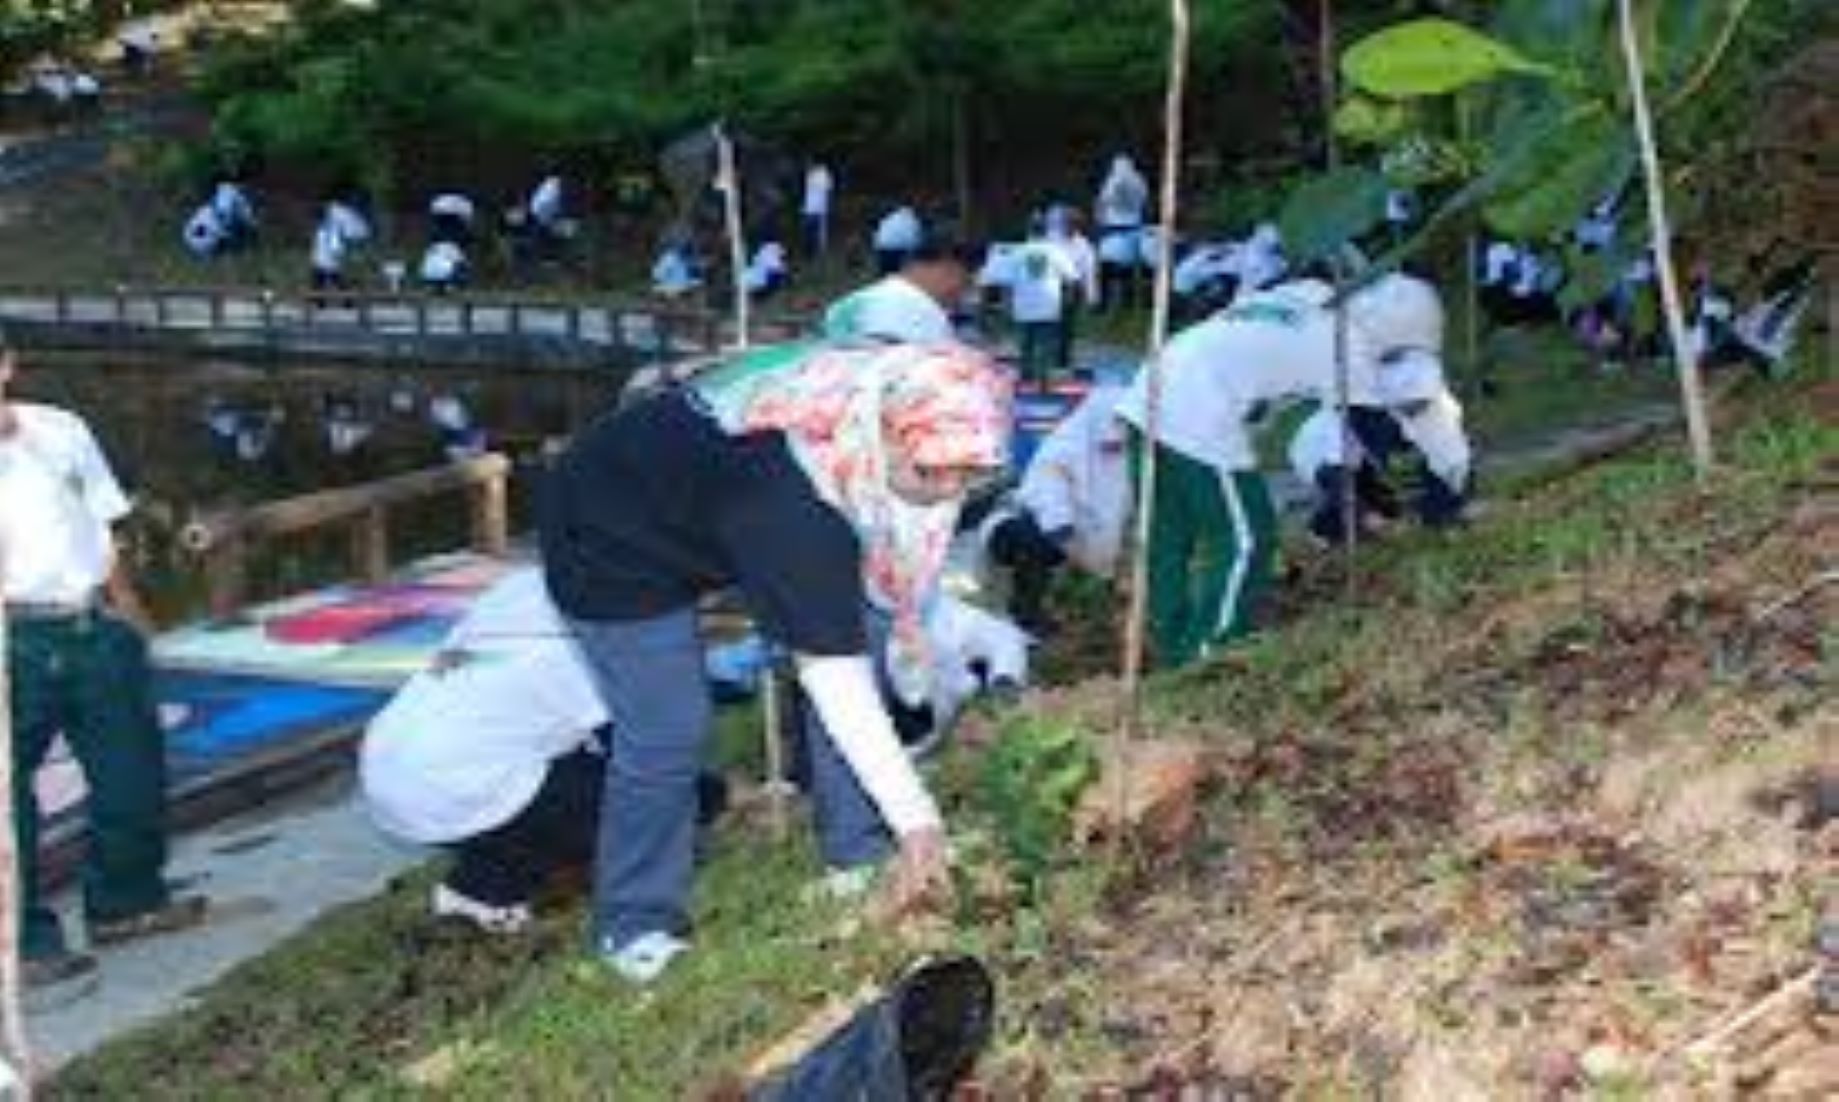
<point x="1213" y="536"/>
<point x="817" y="480"/>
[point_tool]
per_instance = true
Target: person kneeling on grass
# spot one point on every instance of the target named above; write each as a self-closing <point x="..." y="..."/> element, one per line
<point x="495" y="752"/>
<point x="817" y="480"/>
<point x="1420" y="417"/>
<point x="1072" y="504"/>
<point x="1213" y="536"/>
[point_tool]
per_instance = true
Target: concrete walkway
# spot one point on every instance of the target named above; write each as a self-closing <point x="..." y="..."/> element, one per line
<point x="269" y="875"/>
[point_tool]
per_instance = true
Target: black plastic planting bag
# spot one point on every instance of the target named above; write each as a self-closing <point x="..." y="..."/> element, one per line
<point x="918" y="1042"/>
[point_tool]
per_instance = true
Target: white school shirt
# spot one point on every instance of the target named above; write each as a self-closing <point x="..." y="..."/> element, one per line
<point x="1436" y="431"/>
<point x="819" y="184"/>
<point x="1078" y="249"/>
<point x="1269" y="347"/>
<point x="460" y="751"/>
<point x="1261" y="259"/>
<point x="768" y="261"/>
<point x="1078" y="481"/>
<point x="1497" y="264"/>
<point x="452" y="204"/>
<point x="891" y="309"/>
<point x="999" y="264"/>
<point x="349" y="222"/>
<point x="963" y="636"/>
<point x="1123" y="197"/>
<point x="204" y="231"/>
<point x="898" y="230"/>
<point x="57" y="501"/>
<point x="231" y="205"/>
<point x="442" y="262"/>
<point x="328" y="247"/>
<point x="1203" y="265"/>
<point x="672" y="274"/>
<point x="1044" y="270"/>
<point x="546" y="201"/>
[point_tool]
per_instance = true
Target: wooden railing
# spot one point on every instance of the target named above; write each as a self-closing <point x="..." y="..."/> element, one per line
<point x="656" y="328"/>
<point x="225" y="540"/>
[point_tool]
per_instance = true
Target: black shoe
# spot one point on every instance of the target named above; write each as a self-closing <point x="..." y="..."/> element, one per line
<point x="57" y="979"/>
<point x="180" y="913"/>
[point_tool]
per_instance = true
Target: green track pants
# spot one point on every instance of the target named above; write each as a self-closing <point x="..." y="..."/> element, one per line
<point x="1212" y="553"/>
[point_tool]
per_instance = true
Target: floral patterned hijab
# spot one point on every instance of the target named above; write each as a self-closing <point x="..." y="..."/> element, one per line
<point x="844" y="412"/>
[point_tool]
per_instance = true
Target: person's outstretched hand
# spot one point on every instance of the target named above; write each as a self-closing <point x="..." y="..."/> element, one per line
<point x="921" y="874"/>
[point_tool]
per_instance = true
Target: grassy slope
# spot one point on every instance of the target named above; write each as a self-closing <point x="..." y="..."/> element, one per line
<point x="1478" y="821"/>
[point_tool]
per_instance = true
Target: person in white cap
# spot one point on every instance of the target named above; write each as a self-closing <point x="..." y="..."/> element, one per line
<point x="1420" y="417"/>
<point x="1213" y="536"/>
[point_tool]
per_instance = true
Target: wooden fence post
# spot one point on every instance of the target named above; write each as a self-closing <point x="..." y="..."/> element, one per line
<point x="371" y="546"/>
<point x="491" y="517"/>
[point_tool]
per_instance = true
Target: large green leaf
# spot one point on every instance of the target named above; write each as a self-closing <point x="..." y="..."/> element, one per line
<point x="1430" y="57"/>
<point x="1544" y="186"/>
<point x="1329" y="211"/>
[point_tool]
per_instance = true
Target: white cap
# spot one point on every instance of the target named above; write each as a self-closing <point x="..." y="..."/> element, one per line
<point x="1399" y="312"/>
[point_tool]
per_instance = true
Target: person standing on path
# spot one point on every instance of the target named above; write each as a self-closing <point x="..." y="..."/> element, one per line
<point x="820" y="187"/>
<point x="77" y="667"/>
<point x="822" y="481"/>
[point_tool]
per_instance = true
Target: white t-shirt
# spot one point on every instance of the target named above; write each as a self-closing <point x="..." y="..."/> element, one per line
<point x="231" y="205"/>
<point x="891" y="309"/>
<point x="999" y="264"/>
<point x="1120" y="247"/>
<point x="1044" y="270"/>
<point x="1268" y="347"/>
<point x="1123" y="196"/>
<point x="452" y="204"/>
<point x="1261" y="259"/>
<point x="1497" y="264"/>
<point x="768" y="263"/>
<point x="1435" y="430"/>
<point x="204" y="231"/>
<point x="962" y="637"/>
<point x="546" y="201"/>
<point x="818" y="186"/>
<point x="1079" y="250"/>
<point x="328" y="247"/>
<point x="1078" y="480"/>
<point x="1203" y="265"/>
<point x="349" y="222"/>
<point x="460" y="751"/>
<point x="57" y="501"/>
<point x="442" y="263"/>
<point x="898" y="230"/>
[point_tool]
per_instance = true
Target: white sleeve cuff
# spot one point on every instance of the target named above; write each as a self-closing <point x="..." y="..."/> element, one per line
<point x="849" y="704"/>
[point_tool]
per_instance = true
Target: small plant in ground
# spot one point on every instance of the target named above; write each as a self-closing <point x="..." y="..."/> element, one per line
<point x="1029" y="783"/>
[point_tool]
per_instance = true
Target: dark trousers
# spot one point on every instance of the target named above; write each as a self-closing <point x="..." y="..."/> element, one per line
<point x="817" y="234"/>
<point x="510" y="863"/>
<point x="1119" y="285"/>
<point x="1040" y="347"/>
<point x="1069" y="327"/>
<point x="87" y="678"/>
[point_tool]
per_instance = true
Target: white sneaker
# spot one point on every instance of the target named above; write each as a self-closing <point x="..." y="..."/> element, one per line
<point x="493" y="920"/>
<point x="845" y="885"/>
<point x="645" y="957"/>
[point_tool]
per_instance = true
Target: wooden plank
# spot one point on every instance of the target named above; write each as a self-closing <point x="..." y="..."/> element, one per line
<point x="318" y="509"/>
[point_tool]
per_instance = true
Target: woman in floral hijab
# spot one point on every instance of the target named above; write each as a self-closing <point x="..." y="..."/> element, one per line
<point x="815" y="479"/>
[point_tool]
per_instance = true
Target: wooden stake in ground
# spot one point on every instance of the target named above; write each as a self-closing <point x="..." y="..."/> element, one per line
<point x="1691" y="388"/>
<point x="12" y="1022"/>
<point x="1350" y="445"/>
<point x="1132" y="719"/>
<point x="728" y="180"/>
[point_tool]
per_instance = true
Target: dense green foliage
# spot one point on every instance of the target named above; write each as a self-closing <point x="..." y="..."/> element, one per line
<point x="414" y="89"/>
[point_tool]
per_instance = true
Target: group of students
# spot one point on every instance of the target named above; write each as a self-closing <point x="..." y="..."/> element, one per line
<point x="823" y="482"/>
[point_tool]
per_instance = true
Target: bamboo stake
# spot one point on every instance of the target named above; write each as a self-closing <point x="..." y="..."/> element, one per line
<point x="1692" y="394"/>
<point x="18" y="1054"/>
<point x="1350" y="502"/>
<point x="1132" y="720"/>
<point x="728" y="180"/>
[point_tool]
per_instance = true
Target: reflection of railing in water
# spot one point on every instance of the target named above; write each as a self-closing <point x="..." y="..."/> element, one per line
<point x="224" y="540"/>
<point x="636" y="330"/>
